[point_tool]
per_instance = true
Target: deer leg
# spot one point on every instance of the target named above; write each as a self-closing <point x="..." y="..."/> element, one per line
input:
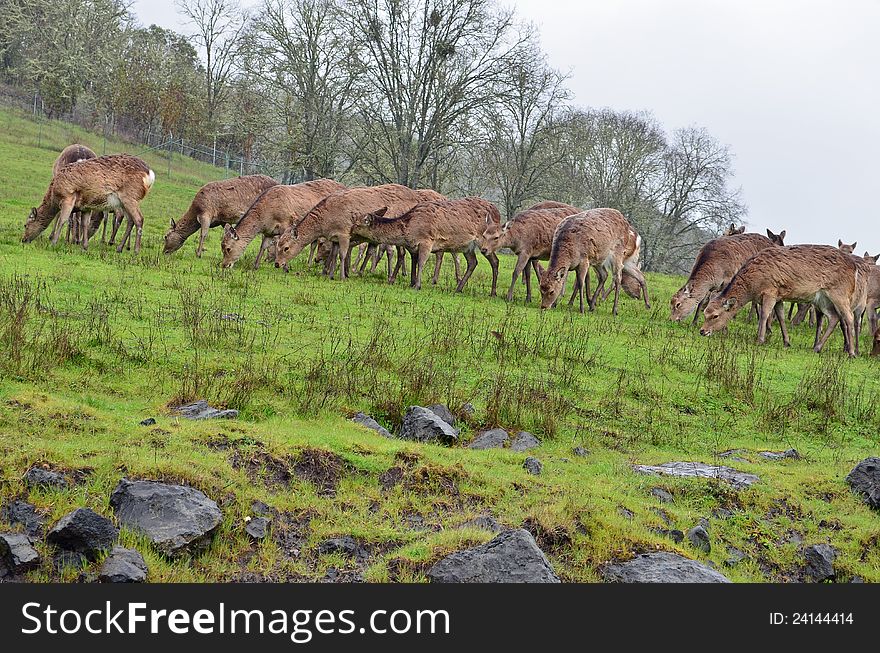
<point x="205" y="222"/>
<point x="401" y="262"/>
<point x="493" y="262"/>
<point x="424" y="253"/>
<point x="330" y="261"/>
<point x="438" y="262"/>
<point x="312" y="249"/>
<point x="833" y="320"/>
<point x="117" y="221"/>
<point x="764" y="308"/>
<point x="344" y="252"/>
<point x="264" y="245"/>
<point x="522" y="263"/>
<point x="617" y="270"/>
<point x="471" y="266"/>
<point x="601" y="276"/>
<point x="67" y="205"/>
<point x="581" y="272"/>
<point x="457" y="266"/>
<point x="779" y="310"/>
<point x="86" y="222"/>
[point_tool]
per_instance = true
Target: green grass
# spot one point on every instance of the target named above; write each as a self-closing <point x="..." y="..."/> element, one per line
<point x="95" y="342"/>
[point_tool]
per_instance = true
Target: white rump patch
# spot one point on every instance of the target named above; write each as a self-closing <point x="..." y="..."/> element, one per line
<point x="149" y="179"/>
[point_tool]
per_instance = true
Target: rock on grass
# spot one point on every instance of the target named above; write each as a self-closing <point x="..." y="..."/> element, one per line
<point x="21" y="513"/>
<point x="661" y="567"/>
<point x="864" y="479"/>
<point x="423" y="425"/>
<point x="820" y="562"/>
<point x="178" y="519"/>
<point x="39" y="477"/>
<point x="123" y="566"/>
<point x="491" y="439"/>
<point x="737" y="479"/>
<point x="512" y="557"/>
<point x="83" y="531"/>
<point x="365" y="420"/>
<point x="17" y="554"/>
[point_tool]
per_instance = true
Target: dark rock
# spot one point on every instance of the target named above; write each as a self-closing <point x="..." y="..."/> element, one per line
<point x="365" y="420"/>
<point x="737" y="479"/>
<point x="864" y="479"/>
<point x="443" y="412"/>
<point x="257" y="528"/>
<point x="484" y="522"/>
<point x="468" y="409"/>
<point x="662" y="495"/>
<point x="626" y="513"/>
<point x="423" y="425"/>
<point x="83" y="531"/>
<point x="533" y="466"/>
<point x="261" y="509"/>
<point x="704" y="523"/>
<point x="699" y="539"/>
<point x="64" y="559"/>
<point x="17" y="554"/>
<point x="661" y="567"/>
<point x="178" y="519"/>
<point x="722" y="513"/>
<point x="147" y="422"/>
<point x="524" y="441"/>
<point x="735" y="556"/>
<point x="733" y="454"/>
<point x="580" y="452"/>
<point x="123" y="566"/>
<point x="345" y="545"/>
<point x="857" y="579"/>
<point x="820" y="562"/>
<point x="491" y="439"/>
<point x="21" y="513"/>
<point x="39" y="477"/>
<point x="674" y="534"/>
<point x="201" y="410"/>
<point x="512" y="557"/>
<point x="780" y="455"/>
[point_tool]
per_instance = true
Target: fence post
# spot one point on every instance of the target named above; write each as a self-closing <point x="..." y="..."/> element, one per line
<point x="170" y="145"/>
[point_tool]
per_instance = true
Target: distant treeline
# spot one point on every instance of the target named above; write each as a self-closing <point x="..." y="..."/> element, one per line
<point x="455" y="95"/>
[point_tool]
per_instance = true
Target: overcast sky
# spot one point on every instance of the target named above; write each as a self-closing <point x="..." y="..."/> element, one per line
<point x="790" y="85"/>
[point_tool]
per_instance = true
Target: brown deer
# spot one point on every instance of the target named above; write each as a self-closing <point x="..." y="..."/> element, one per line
<point x="733" y="230"/>
<point x="334" y="217"/>
<point x="873" y="302"/>
<point x="593" y="238"/>
<point x="216" y="203"/>
<point x="632" y="282"/>
<point x="114" y="182"/>
<point x="716" y="263"/>
<point x="834" y="281"/>
<point x="529" y="234"/>
<point x="805" y="309"/>
<point x="270" y="214"/>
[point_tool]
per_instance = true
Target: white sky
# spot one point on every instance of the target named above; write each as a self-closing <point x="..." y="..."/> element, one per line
<point x="790" y="85"/>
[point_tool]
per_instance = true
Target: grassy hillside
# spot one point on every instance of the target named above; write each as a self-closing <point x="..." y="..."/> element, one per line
<point x="96" y="342"/>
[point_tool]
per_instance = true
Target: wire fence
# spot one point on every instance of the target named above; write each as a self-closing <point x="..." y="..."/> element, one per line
<point x="179" y="154"/>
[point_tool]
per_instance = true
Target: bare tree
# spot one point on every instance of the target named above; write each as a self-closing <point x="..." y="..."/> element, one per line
<point x="218" y="26"/>
<point x="303" y="53"/>
<point x="429" y="64"/>
<point x="521" y="130"/>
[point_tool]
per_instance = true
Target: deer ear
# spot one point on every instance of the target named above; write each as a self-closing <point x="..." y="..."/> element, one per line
<point x="854" y="245"/>
<point x="488" y="219"/>
<point x="233" y="233"/>
<point x="770" y="235"/>
<point x="741" y="230"/>
<point x="839" y="243"/>
<point x="560" y="274"/>
<point x="782" y="234"/>
<point x="729" y="303"/>
<point x="173" y="224"/>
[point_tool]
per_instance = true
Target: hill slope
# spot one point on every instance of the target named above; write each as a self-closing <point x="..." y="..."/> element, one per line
<point x="96" y="342"/>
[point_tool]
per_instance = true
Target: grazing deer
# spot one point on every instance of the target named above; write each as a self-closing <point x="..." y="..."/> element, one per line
<point x="716" y="263"/>
<point x="593" y="238"/>
<point x="434" y="227"/>
<point x="216" y="203"/>
<point x="270" y="214"/>
<point x="529" y="234"/>
<point x="834" y="281"/>
<point x="114" y="182"/>
<point x="805" y="309"/>
<point x="633" y="281"/>
<point x="334" y="217"/>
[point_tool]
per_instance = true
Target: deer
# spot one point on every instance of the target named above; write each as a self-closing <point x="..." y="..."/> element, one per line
<point x="116" y="182"/>
<point x="216" y="203"/>
<point x="834" y="281"/>
<point x="733" y="230"/>
<point x="593" y="238"/>
<point x="873" y="302"/>
<point x="529" y="234"/>
<point x="805" y="309"/>
<point x="274" y="211"/>
<point x="715" y="265"/>
<point x="334" y="217"/>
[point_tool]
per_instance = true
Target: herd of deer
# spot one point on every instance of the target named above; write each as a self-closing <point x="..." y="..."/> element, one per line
<point x="730" y="272"/>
